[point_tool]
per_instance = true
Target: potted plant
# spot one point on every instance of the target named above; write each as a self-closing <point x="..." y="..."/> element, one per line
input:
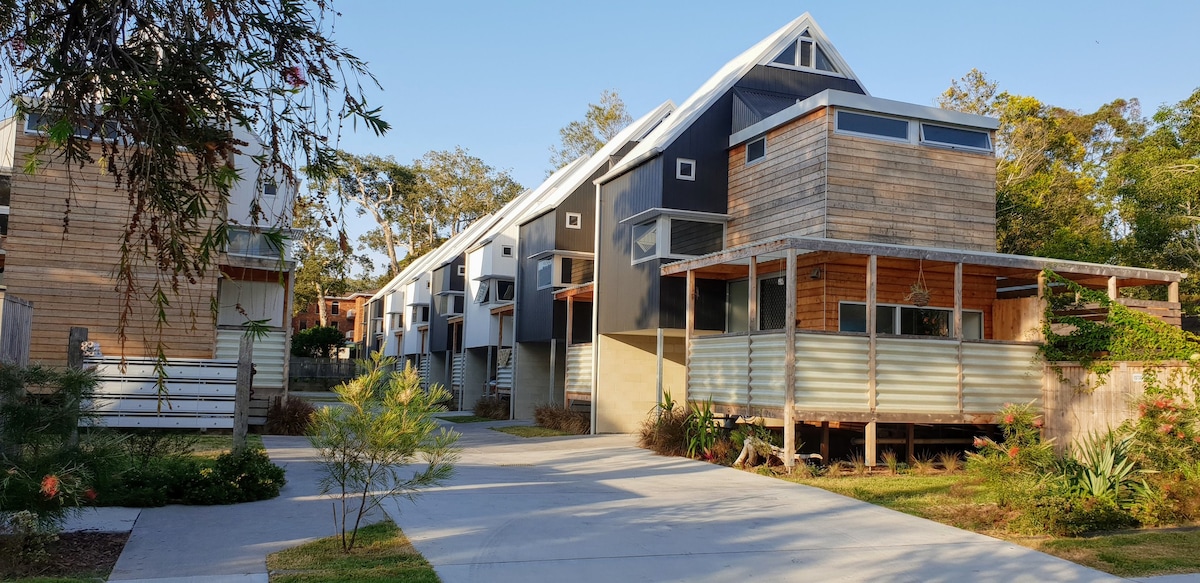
<point x="918" y="295"/>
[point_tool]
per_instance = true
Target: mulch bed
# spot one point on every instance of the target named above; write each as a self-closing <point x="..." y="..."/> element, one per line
<point x="78" y="554"/>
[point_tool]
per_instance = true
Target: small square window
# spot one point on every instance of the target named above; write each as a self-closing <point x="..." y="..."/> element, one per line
<point x="506" y="251"/>
<point x="574" y="220"/>
<point x="685" y="169"/>
<point x="270" y="188"/>
<point x="756" y="150"/>
<point x="462" y="270"/>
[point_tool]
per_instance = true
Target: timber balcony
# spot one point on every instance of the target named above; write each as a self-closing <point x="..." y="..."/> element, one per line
<point x="827" y="330"/>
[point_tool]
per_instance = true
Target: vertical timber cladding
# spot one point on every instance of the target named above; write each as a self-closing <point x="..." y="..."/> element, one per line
<point x="783" y="194"/>
<point x="67" y="274"/>
<point x="907" y="194"/>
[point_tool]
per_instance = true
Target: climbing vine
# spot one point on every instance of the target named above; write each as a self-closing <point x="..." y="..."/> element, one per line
<point x="1123" y="335"/>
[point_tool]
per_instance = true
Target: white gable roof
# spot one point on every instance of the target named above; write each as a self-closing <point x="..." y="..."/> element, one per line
<point x="760" y="54"/>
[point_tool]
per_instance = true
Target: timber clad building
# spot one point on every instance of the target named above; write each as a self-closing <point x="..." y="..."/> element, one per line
<point x="66" y="269"/>
<point x="783" y="244"/>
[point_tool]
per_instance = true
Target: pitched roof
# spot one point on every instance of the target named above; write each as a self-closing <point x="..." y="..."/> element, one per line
<point x="707" y="95"/>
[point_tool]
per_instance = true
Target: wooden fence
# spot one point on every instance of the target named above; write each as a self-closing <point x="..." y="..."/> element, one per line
<point x="1077" y="404"/>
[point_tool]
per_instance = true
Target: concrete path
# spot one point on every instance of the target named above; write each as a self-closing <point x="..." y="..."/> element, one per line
<point x="599" y="509"/>
<point x="210" y="544"/>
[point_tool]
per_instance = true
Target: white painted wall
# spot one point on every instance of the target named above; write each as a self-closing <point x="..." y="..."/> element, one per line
<point x="393" y="303"/>
<point x="481" y="328"/>
<point x="276" y="210"/>
<point x="415" y="292"/>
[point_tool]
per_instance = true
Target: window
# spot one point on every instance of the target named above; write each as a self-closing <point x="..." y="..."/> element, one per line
<point x="505" y="290"/>
<point x="397" y="320"/>
<point x="483" y="296"/>
<point x="270" y="188"/>
<point x="420" y="313"/>
<point x="575" y="271"/>
<point x="256" y="244"/>
<point x="574" y="220"/>
<point x="772" y="303"/>
<point x="506" y="251"/>
<point x="333" y="308"/>
<point x="461" y="271"/>
<point x="872" y="125"/>
<point x="38" y="123"/>
<point x="450" y="304"/>
<point x="545" y="273"/>
<point x="805" y="53"/>
<point x="645" y="241"/>
<point x="685" y="169"/>
<point x="955" y="137"/>
<point x="891" y="319"/>
<point x="756" y="150"/>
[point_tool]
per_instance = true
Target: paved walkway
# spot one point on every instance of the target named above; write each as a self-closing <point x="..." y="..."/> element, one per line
<point x="582" y="510"/>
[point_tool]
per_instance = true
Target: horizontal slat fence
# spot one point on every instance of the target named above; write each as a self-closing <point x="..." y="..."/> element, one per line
<point x="199" y="393"/>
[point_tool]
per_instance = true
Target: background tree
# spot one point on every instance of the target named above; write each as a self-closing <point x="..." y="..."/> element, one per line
<point x="387" y="191"/>
<point x="318" y="342"/>
<point x="461" y="188"/>
<point x="1050" y="163"/>
<point x="1155" y="183"/>
<point x="159" y="85"/>
<point x="584" y="137"/>
<point x="324" y="258"/>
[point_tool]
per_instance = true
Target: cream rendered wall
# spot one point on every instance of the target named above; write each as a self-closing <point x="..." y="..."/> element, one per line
<point x="259" y="301"/>
<point x="627" y="371"/>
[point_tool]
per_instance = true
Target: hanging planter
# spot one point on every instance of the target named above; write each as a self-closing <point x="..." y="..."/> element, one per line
<point x="918" y="293"/>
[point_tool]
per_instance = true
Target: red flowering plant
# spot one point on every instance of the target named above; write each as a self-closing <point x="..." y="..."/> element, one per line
<point x="1167" y="428"/>
<point x="1015" y="464"/>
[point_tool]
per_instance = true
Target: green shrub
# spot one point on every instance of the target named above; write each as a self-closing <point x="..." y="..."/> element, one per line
<point x="563" y="419"/>
<point x="492" y="408"/>
<point x="700" y="431"/>
<point x="665" y="430"/>
<point x="1099" y="466"/>
<point x="1064" y="515"/>
<point x="144" y="445"/>
<point x="1166" y="433"/>
<point x="244" y="476"/>
<point x="290" y="416"/>
<point x="317" y="342"/>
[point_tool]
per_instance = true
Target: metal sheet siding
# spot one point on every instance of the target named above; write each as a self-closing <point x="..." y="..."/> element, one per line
<point x="801" y="84"/>
<point x="766" y="370"/>
<point x="996" y="374"/>
<point x="534" y="307"/>
<point x="831" y="372"/>
<point x="269" y="355"/>
<point x="635" y="306"/>
<point x="916" y="375"/>
<point x="579" y="371"/>
<point x="201" y="393"/>
<point x="582" y="201"/>
<point x="705" y="141"/>
<point x="439" y="331"/>
<point x="720" y="370"/>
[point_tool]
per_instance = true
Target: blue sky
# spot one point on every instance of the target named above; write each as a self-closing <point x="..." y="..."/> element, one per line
<point x="500" y="78"/>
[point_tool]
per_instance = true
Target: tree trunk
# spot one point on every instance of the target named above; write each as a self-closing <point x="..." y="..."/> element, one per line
<point x="322" y="308"/>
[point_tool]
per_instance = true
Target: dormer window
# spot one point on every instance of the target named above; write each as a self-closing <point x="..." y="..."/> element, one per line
<point x="805" y="53"/>
<point x="558" y="268"/>
<point x="675" y="234"/>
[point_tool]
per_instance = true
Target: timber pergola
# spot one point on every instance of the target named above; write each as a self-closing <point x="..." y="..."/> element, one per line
<point x="1015" y="274"/>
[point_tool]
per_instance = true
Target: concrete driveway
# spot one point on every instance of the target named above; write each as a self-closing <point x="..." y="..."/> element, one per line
<point x="588" y="509"/>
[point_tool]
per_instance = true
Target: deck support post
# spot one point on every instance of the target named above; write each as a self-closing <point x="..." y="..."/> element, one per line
<point x="1173" y="292"/>
<point x="872" y="287"/>
<point x="789" y="364"/>
<point x="871" y="446"/>
<point x="1113" y="294"/>
<point x="689" y="326"/>
<point x="241" y="400"/>
<point x="553" y="370"/>
<point x="958" y="328"/>
<point x="825" y="442"/>
<point x="752" y="324"/>
<point x="910" y="443"/>
<point x="1042" y="302"/>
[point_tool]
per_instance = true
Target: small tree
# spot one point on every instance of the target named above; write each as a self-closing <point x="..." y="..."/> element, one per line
<point x="317" y="342"/>
<point x="387" y="424"/>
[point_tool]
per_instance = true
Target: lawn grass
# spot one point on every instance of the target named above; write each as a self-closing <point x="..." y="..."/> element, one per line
<point x="1137" y="554"/>
<point x="381" y="554"/>
<point x="466" y="419"/>
<point x="211" y="446"/>
<point x="532" y="431"/>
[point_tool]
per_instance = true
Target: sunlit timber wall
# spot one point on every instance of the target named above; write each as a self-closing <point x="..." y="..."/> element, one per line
<point x="916" y="379"/>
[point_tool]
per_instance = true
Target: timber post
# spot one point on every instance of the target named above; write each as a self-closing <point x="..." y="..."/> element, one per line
<point x="241" y="400"/>
<point x="75" y="340"/>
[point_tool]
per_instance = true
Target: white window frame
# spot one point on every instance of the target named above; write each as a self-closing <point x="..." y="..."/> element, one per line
<point x="578" y="220"/>
<point x="461" y="271"/>
<point x="912" y="131"/>
<point x="897" y="318"/>
<point x="950" y="146"/>
<point x="496" y="299"/>
<point x="795" y="66"/>
<point x="750" y="162"/>
<point x="663" y="237"/>
<point x="537" y="274"/>
<point x="679" y="174"/>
